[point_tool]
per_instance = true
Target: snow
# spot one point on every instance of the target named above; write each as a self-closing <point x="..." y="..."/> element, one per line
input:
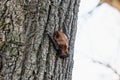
<point x="98" y="38"/>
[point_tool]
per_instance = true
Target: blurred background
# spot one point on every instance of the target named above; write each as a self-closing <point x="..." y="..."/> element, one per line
<point x="97" y="46"/>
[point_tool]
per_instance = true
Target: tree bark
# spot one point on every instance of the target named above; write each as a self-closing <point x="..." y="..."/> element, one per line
<point x="26" y="53"/>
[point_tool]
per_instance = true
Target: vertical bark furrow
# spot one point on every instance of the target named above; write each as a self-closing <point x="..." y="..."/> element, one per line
<point x="50" y="64"/>
<point x="15" y="65"/>
<point x="62" y="11"/>
<point x="72" y="38"/>
<point x="52" y="23"/>
<point x="69" y="17"/>
<point x="42" y="54"/>
<point x="4" y="9"/>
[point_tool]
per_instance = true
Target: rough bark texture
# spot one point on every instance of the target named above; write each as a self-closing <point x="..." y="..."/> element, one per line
<point x="26" y="52"/>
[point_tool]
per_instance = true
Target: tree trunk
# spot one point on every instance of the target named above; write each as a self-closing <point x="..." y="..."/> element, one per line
<point x="26" y="53"/>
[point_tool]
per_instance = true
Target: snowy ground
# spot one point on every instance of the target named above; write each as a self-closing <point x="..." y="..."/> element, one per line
<point x="98" y="38"/>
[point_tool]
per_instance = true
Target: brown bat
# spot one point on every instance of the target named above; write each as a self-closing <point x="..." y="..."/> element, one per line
<point x="60" y="43"/>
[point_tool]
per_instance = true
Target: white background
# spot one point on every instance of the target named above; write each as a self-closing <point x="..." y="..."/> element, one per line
<point x="98" y="38"/>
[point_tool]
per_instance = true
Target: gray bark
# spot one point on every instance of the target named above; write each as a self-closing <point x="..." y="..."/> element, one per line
<point x="26" y="52"/>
